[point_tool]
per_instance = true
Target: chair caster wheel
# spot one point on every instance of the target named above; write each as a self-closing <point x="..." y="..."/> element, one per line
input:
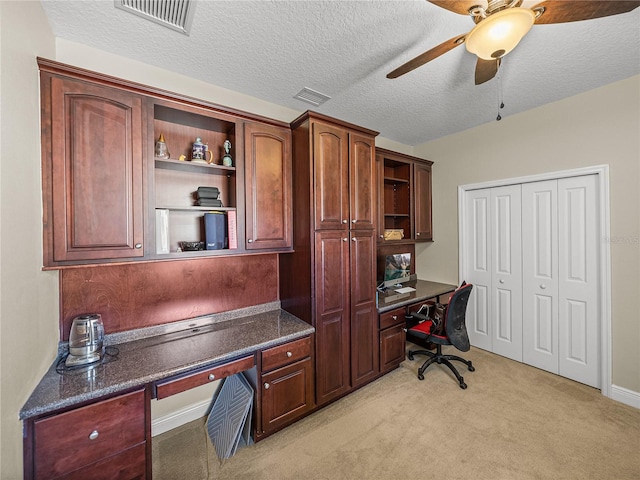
<point x="472" y="368"/>
<point x="420" y="376"/>
<point x="463" y="385"/>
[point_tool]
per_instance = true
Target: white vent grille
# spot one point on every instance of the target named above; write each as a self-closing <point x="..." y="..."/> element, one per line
<point x="174" y="14"/>
<point x="312" y="97"/>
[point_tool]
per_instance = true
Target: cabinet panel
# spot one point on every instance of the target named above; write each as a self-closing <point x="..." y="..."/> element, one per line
<point x="362" y="182"/>
<point x="422" y="193"/>
<point x="268" y="186"/>
<point x="392" y="347"/>
<point x="130" y="465"/>
<point x="331" y="176"/>
<point x="332" y="314"/>
<point x="90" y="433"/>
<point x="96" y="191"/>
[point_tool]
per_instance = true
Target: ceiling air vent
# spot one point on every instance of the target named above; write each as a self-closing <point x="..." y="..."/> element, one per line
<point x="312" y="97"/>
<point x="174" y="14"/>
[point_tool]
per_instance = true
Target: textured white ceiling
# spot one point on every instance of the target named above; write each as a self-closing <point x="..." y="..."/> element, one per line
<point x="272" y="49"/>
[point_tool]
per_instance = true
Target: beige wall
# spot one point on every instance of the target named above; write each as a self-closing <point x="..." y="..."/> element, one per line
<point x="28" y="296"/>
<point x="598" y="127"/>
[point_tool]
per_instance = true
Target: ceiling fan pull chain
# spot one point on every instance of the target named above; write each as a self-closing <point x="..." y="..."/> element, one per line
<point x="500" y="95"/>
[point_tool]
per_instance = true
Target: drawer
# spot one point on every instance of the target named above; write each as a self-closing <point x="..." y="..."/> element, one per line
<point x="166" y="388"/>
<point x="284" y="354"/>
<point x="130" y="464"/>
<point x="391" y="318"/>
<point x="72" y="440"/>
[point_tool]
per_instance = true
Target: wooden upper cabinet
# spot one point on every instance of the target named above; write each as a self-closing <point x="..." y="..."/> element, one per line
<point x="363" y="181"/>
<point x="331" y="171"/>
<point x="92" y="171"/>
<point x="422" y="197"/>
<point x="268" y="186"/>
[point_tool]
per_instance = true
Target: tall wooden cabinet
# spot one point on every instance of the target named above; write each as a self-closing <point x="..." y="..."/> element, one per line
<point x="329" y="280"/>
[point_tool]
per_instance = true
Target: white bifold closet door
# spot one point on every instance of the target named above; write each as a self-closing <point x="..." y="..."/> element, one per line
<point x="530" y="250"/>
<point x="494" y="316"/>
<point x="560" y="278"/>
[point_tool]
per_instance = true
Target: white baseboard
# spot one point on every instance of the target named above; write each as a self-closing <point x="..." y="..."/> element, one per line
<point x="180" y="417"/>
<point x="623" y="395"/>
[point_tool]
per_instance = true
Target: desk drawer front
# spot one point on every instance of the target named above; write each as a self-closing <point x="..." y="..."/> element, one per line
<point x="392" y="318"/>
<point x="75" y="439"/>
<point x="170" y="387"/>
<point x="284" y="354"/>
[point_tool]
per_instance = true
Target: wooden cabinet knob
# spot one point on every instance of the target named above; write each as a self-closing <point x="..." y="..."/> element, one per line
<point x="93" y="435"/>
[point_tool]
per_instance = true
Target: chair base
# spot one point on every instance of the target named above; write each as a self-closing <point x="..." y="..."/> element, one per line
<point x="441" y="359"/>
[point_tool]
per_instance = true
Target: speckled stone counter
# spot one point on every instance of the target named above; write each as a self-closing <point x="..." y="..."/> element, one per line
<point x="154" y="354"/>
<point x="424" y="290"/>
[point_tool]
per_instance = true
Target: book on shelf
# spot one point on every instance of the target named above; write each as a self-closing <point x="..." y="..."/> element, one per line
<point x="232" y="229"/>
<point x="162" y="230"/>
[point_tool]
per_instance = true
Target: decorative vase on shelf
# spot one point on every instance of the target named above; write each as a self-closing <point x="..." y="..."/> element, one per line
<point x="227" y="161"/>
<point x="161" y="148"/>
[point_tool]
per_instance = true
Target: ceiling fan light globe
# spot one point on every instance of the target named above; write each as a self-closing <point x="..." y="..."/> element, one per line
<point x="498" y="34"/>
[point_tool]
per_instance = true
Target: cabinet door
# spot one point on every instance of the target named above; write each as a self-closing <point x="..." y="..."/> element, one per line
<point x="287" y="394"/>
<point x="362" y="181"/>
<point x="331" y="177"/>
<point x="392" y="347"/>
<point x="364" y="316"/>
<point x="422" y="202"/>
<point x="332" y="315"/>
<point x="268" y="186"/>
<point x="96" y="206"/>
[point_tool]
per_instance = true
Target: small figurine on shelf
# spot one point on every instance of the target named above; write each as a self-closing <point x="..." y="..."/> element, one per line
<point x="161" y="148"/>
<point x="227" y="161"/>
<point x="197" y="151"/>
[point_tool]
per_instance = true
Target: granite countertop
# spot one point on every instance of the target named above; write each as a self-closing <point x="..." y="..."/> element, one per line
<point x="424" y="290"/>
<point x="157" y="354"/>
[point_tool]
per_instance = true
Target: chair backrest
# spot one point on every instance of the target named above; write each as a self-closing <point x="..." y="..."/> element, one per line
<point x="454" y="324"/>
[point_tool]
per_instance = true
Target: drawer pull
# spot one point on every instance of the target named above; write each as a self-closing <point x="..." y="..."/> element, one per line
<point x="395" y="317"/>
<point x="138" y="246"/>
<point x="289" y="354"/>
<point x="266" y="386"/>
<point x="212" y="377"/>
<point x="93" y="435"/>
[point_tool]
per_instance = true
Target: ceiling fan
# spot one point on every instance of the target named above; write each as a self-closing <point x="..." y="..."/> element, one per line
<point x="501" y="24"/>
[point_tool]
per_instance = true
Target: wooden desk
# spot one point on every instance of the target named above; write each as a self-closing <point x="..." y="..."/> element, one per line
<point x="392" y="310"/>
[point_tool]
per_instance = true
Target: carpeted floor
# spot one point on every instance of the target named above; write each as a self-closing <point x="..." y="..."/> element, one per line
<point x="512" y="422"/>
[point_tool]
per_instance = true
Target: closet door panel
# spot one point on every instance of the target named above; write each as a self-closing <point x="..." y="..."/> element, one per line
<point x="540" y="275"/>
<point x="477" y="255"/>
<point x="579" y="348"/>
<point x="506" y="271"/>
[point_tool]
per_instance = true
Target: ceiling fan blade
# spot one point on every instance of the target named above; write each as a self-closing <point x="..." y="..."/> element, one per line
<point x="427" y="56"/>
<point x="459" y="6"/>
<point x="562" y="11"/>
<point x="486" y="70"/>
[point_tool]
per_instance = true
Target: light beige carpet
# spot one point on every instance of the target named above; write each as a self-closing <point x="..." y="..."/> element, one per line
<point x="512" y="422"/>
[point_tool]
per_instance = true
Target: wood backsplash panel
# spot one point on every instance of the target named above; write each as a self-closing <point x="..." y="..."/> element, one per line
<point x="153" y="293"/>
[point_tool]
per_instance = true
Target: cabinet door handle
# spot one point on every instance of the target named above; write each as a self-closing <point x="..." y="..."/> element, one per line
<point x="212" y="377"/>
<point x="344" y="239"/>
<point x="501" y="280"/>
<point x="395" y="317"/>
<point x="417" y="234"/>
<point x="289" y="354"/>
<point x="344" y="221"/>
<point x="353" y="221"/>
<point x="250" y="240"/>
<point x="353" y="238"/>
<point x="381" y="236"/>
<point x="542" y="287"/>
<point x="138" y="246"/>
<point x="93" y="435"/>
<point x="266" y="386"/>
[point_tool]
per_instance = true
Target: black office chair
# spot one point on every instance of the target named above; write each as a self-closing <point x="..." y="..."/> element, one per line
<point x="454" y="333"/>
